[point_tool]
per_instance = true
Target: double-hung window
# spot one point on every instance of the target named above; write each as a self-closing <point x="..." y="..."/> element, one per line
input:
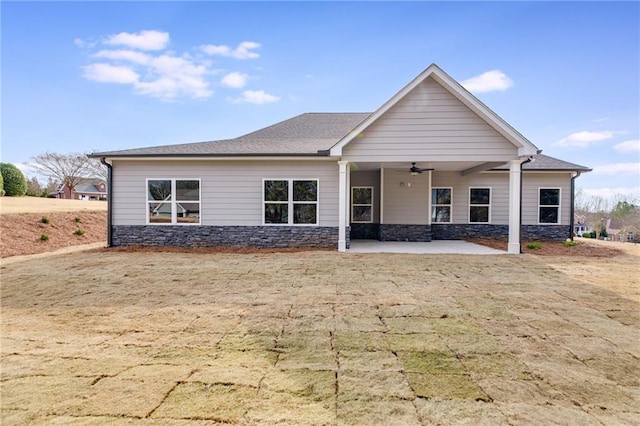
<point x="290" y="201"/>
<point x="549" y="205"/>
<point x="441" y="205"/>
<point x="173" y="201"/>
<point x="362" y="204"/>
<point x="479" y="205"/>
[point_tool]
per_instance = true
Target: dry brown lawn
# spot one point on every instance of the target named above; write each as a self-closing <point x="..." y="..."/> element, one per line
<point x="319" y="338"/>
<point x="13" y="205"/>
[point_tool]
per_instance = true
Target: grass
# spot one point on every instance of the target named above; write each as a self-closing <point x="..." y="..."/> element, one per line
<point x="278" y="339"/>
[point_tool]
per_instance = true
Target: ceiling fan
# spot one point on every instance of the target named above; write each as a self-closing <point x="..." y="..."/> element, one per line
<point x="415" y="170"/>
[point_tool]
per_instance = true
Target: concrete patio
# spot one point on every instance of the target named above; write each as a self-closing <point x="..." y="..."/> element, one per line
<point x="433" y="247"/>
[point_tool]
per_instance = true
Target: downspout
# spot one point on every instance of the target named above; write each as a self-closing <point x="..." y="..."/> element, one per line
<point x="528" y="160"/>
<point x="109" y="200"/>
<point x="573" y="205"/>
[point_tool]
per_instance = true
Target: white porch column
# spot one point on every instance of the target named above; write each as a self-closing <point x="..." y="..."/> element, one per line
<point x="342" y="206"/>
<point x="514" y="206"/>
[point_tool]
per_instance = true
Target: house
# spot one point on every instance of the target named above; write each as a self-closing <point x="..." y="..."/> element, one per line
<point x="618" y="230"/>
<point x="88" y="189"/>
<point x="580" y="226"/>
<point x="433" y="162"/>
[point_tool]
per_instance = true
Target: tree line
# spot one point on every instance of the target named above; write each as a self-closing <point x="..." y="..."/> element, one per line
<point x="69" y="170"/>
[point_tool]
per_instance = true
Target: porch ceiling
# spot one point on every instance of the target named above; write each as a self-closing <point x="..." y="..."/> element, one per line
<point x="445" y="166"/>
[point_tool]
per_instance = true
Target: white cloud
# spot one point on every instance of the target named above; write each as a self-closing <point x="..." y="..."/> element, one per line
<point x="613" y="193"/>
<point x="144" y="40"/>
<point x="618" y="169"/>
<point x="257" y="97"/>
<point x="107" y="73"/>
<point x="628" y="146"/>
<point x="488" y="82"/>
<point x="584" y="139"/>
<point x="234" y="79"/>
<point x="243" y="51"/>
<point x="124" y="55"/>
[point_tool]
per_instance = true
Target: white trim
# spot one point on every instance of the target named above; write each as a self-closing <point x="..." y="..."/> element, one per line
<point x="525" y="147"/>
<point x="174" y="202"/>
<point x="225" y="158"/>
<point x="558" y="206"/>
<point x="342" y="205"/>
<point x="362" y="205"/>
<point x="291" y="203"/>
<point x="469" y="205"/>
<point x="515" y="178"/>
<point x="429" y="196"/>
<point x="381" y="195"/>
<point x="450" y="188"/>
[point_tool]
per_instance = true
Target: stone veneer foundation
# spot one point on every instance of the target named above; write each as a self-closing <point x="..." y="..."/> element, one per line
<point x="226" y="236"/>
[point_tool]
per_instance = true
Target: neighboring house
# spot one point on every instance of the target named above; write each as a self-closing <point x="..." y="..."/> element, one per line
<point x="619" y="231"/>
<point x="580" y="226"/>
<point x="89" y="189"/>
<point x="433" y="162"/>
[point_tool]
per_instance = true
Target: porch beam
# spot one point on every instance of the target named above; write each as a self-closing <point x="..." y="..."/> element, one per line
<point x="480" y="168"/>
<point x="342" y="205"/>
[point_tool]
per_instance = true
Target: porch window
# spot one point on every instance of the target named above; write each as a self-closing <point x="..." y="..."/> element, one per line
<point x="441" y="205"/>
<point x="549" y="205"/>
<point x="173" y="201"/>
<point x="290" y="202"/>
<point x="362" y="204"/>
<point x="479" y="205"/>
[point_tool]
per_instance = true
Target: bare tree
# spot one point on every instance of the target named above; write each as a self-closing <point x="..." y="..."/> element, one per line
<point x="69" y="169"/>
<point x="96" y="169"/>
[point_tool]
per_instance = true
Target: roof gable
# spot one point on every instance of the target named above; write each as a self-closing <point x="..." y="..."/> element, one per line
<point x="525" y="147"/>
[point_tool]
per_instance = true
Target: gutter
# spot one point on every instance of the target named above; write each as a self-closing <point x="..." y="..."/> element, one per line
<point x="573" y="205"/>
<point x="109" y="200"/>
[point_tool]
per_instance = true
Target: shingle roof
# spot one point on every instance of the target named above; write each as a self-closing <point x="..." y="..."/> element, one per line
<point x="544" y="162"/>
<point x="305" y="134"/>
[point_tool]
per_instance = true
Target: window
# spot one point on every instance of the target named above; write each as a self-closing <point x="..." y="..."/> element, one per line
<point x="441" y="205"/>
<point x="173" y="201"/>
<point x="479" y="205"/>
<point x="290" y="202"/>
<point x="549" y="205"/>
<point x="362" y="204"/>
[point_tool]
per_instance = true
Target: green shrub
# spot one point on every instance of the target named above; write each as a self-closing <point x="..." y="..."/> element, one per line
<point x="534" y="246"/>
<point x="569" y="243"/>
<point x="79" y="232"/>
<point x="15" y="185"/>
<point x="78" y="220"/>
<point x="44" y="219"/>
<point x="44" y="237"/>
<point x="586" y="235"/>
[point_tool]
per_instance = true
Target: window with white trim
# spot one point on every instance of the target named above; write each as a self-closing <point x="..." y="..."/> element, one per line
<point x="173" y="201"/>
<point x="290" y="201"/>
<point x="362" y="204"/>
<point x="549" y="205"/>
<point x="479" y="205"/>
<point x="441" y="205"/>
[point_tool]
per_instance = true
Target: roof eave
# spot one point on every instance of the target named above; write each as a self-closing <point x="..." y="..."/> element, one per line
<point x="324" y="153"/>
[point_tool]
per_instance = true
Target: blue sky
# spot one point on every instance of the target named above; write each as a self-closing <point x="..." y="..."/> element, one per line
<point x="95" y="76"/>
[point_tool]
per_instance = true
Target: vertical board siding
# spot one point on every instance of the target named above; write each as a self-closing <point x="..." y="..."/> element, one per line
<point x="431" y="124"/>
<point x="231" y="191"/>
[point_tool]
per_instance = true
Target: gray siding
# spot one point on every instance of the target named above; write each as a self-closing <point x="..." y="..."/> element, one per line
<point x="406" y="198"/>
<point x="231" y="190"/>
<point x="429" y="124"/>
<point x="530" y="185"/>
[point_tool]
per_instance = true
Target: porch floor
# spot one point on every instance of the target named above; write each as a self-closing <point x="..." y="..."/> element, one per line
<point x="433" y="247"/>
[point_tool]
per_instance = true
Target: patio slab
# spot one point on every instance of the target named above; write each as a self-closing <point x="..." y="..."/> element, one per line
<point x="432" y="247"/>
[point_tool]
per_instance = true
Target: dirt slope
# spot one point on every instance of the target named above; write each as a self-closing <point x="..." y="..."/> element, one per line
<point x="21" y="234"/>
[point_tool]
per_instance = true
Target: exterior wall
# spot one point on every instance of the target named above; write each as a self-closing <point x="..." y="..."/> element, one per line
<point x="226" y="236"/>
<point x="530" y="186"/>
<point x="452" y="231"/>
<point x="430" y="124"/>
<point x="406" y="198"/>
<point x="368" y="178"/>
<point x="413" y="233"/>
<point x="231" y="191"/>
